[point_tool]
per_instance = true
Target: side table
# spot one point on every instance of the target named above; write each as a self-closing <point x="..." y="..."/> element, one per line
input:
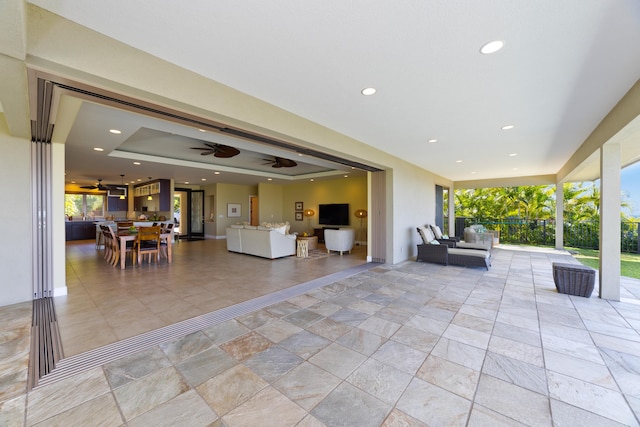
<point x="312" y="241"/>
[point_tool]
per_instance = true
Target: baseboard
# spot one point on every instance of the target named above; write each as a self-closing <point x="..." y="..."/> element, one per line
<point x="214" y="237"/>
<point x="59" y="292"/>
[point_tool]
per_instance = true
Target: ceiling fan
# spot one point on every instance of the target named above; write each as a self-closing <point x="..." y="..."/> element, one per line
<point x="98" y="186"/>
<point x="218" y="150"/>
<point x="280" y="162"/>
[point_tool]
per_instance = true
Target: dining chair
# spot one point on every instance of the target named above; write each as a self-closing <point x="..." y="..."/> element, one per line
<point x="124" y="225"/>
<point x="115" y="247"/>
<point x="166" y="228"/>
<point x="108" y="243"/>
<point x="148" y="243"/>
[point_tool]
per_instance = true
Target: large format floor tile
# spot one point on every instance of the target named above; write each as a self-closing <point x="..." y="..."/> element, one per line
<point x="409" y="344"/>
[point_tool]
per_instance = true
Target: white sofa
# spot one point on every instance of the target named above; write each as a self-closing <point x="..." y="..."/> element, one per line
<point x="260" y="242"/>
<point x="341" y="240"/>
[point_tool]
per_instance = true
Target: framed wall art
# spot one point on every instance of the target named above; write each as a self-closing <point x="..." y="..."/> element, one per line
<point x="299" y="206"/>
<point x="234" y="210"/>
<point x="299" y="216"/>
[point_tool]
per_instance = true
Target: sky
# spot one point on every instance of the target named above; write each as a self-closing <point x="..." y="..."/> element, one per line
<point x="630" y="183"/>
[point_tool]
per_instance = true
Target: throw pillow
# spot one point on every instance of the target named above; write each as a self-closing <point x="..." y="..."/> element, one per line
<point x="434" y="242"/>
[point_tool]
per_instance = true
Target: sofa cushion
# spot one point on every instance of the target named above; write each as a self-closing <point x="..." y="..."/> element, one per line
<point x="436" y="231"/>
<point x="470" y="252"/>
<point x="237" y="226"/>
<point x="426" y="234"/>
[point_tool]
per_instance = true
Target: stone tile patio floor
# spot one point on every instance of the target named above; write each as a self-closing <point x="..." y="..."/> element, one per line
<point x="407" y="344"/>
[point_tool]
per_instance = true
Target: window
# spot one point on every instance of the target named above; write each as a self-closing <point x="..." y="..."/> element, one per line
<point x="84" y="205"/>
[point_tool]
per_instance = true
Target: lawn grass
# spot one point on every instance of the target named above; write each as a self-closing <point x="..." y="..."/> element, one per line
<point x="629" y="263"/>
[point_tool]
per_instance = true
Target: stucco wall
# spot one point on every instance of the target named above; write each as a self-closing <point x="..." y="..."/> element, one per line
<point x="15" y="216"/>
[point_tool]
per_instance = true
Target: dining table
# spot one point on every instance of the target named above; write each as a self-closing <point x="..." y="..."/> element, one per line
<point x="130" y="236"/>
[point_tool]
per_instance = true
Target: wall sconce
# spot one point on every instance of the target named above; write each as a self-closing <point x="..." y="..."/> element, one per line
<point x="309" y="213"/>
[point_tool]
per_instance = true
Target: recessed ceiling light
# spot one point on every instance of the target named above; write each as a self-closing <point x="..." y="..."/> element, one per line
<point x="186" y="182"/>
<point x="513" y="154"/>
<point x="115" y="131"/>
<point x="311" y="179"/>
<point x="368" y="91"/>
<point x="98" y="149"/>
<point x="269" y="179"/>
<point x="216" y="173"/>
<point x="136" y="163"/>
<point x="458" y="161"/>
<point x="203" y="179"/>
<point x="202" y="130"/>
<point x="507" y="127"/>
<point x="346" y="176"/>
<point x="139" y="179"/>
<point x="492" y="47"/>
<point x="473" y="172"/>
<point x="73" y="182"/>
<point x="432" y="141"/>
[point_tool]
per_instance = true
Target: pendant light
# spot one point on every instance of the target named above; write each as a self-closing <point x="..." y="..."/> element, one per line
<point x="122" y="197"/>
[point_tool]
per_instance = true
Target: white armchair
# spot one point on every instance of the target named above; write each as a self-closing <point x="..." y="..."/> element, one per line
<point x="339" y="240"/>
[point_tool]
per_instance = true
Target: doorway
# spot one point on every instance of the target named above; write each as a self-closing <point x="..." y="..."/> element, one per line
<point x="253" y="214"/>
<point x="189" y="208"/>
<point x="442" y="208"/>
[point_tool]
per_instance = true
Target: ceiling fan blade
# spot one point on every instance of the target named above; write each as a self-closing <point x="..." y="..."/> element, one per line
<point x="201" y="148"/>
<point x="225" y="151"/>
<point x="206" y="153"/>
<point x="89" y="187"/>
<point x="285" y="163"/>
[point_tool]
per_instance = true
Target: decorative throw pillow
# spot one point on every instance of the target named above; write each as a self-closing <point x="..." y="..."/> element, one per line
<point x="434" y="242"/>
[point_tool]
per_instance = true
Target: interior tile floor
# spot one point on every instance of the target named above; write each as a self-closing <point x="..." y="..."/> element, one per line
<point x="407" y="344"/>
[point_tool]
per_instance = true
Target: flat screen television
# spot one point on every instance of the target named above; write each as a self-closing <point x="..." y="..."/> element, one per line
<point x="333" y="214"/>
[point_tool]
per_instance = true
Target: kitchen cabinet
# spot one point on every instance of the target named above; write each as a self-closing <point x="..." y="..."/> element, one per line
<point x="116" y="204"/>
<point x="160" y="193"/>
<point x="80" y="230"/>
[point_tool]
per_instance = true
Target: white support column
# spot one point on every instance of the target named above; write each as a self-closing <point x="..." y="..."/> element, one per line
<point x="610" y="222"/>
<point x="452" y="211"/>
<point x="559" y="215"/>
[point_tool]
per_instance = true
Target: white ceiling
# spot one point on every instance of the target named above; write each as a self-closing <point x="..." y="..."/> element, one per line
<point x="564" y="66"/>
<point x="163" y="149"/>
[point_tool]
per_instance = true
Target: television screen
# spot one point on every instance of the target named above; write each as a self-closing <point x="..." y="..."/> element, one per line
<point x="334" y="214"/>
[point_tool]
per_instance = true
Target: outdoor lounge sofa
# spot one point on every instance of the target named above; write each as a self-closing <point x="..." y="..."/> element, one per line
<point x="446" y="252"/>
